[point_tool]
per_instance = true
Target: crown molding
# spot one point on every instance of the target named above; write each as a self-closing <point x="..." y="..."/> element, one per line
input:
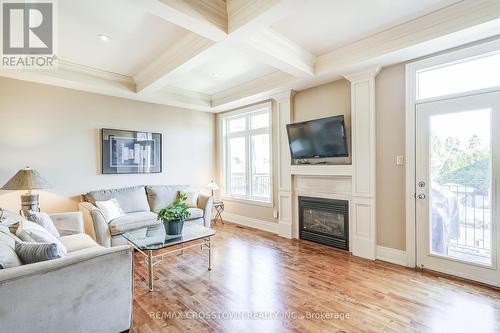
<point x="92" y="71"/>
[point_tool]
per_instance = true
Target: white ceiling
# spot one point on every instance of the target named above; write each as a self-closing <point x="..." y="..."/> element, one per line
<point x="206" y="56"/>
<point x="328" y="24"/>
<point x="136" y="35"/>
<point x="219" y="69"/>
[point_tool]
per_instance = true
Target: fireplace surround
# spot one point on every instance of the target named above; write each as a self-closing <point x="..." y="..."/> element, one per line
<point x="324" y="221"/>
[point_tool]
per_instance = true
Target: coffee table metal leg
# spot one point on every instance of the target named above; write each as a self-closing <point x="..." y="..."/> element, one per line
<point x="150" y="269"/>
<point x="209" y="255"/>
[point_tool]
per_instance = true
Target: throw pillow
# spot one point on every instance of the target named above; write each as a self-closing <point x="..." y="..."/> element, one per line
<point x="110" y="209"/>
<point x="8" y="256"/>
<point x="30" y="253"/>
<point x="192" y="198"/>
<point x="34" y="233"/>
<point x="45" y="221"/>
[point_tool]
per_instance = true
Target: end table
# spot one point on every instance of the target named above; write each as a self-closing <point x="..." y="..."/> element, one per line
<point x="219" y="208"/>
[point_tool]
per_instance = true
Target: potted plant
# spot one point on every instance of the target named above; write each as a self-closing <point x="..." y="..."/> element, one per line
<point x="174" y="215"/>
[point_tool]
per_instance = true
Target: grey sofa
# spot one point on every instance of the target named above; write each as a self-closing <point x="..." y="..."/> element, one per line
<point x="88" y="290"/>
<point x="140" y="204"/>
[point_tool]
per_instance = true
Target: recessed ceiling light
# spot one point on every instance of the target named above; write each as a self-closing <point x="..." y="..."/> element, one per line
<point x="215" y="74"/>
<point x="104" y="37"/>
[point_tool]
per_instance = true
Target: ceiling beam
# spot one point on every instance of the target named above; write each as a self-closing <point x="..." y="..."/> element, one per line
<point x="250" y="16"/>
<point x="153" y="76"/>
<point x="271" y="48"/>
<point x="252" y="21"/>
<point x="206" y="18"/>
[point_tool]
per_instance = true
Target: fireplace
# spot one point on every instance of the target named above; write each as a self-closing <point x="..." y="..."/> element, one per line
<point x="324" y="221"/>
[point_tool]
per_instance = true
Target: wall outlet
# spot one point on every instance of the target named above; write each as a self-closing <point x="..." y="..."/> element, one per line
<point x="400" y="160"/>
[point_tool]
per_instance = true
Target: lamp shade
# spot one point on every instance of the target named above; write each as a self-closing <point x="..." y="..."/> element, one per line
<point x="26" y="179"/>
<point x="213" y="186"/>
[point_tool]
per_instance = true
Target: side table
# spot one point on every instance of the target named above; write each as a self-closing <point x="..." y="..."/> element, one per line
<point x="219" y="208"/>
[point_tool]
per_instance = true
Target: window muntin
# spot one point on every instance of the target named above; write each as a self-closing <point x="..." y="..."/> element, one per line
<point x="247" y="155"/>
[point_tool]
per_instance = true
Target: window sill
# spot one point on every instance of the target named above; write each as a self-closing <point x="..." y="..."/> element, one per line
<point x="248" y="201"/>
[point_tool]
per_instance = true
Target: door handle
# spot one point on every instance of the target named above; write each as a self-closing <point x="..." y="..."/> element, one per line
<point x="421" y="196"/>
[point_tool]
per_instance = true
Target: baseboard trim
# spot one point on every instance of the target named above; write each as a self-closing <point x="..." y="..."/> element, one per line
<point x="391" y="255"/>
<point x="251" y="222"/>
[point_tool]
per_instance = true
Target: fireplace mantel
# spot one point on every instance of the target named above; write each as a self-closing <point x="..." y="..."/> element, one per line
<point x="322" y="170"/>
<point x="354" y="182"/>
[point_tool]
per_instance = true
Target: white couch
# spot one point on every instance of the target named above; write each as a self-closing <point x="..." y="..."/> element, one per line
<point x="88" y="290"/>
<point x="140" y="204"/>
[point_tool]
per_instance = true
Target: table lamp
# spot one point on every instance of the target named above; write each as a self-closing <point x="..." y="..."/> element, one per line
<point x="27" y="179"/>
<point x="212" y="186"/>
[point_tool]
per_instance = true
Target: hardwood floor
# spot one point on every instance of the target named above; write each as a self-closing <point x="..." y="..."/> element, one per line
<point x="255" y="273"/>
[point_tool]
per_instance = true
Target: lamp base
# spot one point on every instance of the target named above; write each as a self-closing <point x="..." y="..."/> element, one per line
<point x="29" y="202"/>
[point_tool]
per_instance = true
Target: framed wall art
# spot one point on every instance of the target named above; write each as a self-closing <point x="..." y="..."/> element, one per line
<point x="124" y="151"/>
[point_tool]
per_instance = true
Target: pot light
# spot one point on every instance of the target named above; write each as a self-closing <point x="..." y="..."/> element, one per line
<point x="215" y="74"/>
<point x="104" y="37"/>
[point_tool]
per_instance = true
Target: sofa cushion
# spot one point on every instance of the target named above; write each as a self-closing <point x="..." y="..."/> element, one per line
<point x="34" y="233"/>
<point x="78" y="242"/>
<point x="191" y="198"/>
<point x="30" y="253"/>
<point x="110" y="209"/>
<point x="8" y="256"/>
<point x="45" y="221"/>
<point x="160" y="196"/>
<point x="8" y="237"/>
<point x="132" y="221"/>
<point x="10" y="218"/>
<point x="131" y="199"/>
<point x="196" y="213"/>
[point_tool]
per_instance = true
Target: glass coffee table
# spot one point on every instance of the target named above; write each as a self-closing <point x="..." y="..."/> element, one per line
<point x="153" y="243"/>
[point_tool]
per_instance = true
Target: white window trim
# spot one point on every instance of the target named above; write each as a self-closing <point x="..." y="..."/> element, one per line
<point x="223" y="153"/>
<point x="460" y="55"/>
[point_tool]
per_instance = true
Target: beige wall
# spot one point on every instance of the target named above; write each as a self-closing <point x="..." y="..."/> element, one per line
<point x="56" y="131"/>
<point x="330" y="99"/>
<point x="327" y="100"/>
<point x="390" y="108"/>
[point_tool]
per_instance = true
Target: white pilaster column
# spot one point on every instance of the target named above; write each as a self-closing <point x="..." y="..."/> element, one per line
<point x="284" y="110"/>
<point x="363" y="217"/>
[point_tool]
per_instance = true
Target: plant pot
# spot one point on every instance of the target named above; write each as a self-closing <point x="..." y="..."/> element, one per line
<point x="173" y="227"/>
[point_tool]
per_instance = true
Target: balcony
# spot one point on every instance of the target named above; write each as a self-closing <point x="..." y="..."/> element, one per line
<point x="260" y="187"/>
<point x="469" y="231"/>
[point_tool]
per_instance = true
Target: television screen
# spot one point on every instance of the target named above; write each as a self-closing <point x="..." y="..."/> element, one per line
<point x="324" y="137"/>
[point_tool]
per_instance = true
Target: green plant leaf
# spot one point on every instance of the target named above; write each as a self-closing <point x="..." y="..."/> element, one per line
<point x="178" y="210"/>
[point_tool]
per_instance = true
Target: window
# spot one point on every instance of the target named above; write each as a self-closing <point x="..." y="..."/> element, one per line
<point x="247" y="154"/>
<point x="456" y="77"/>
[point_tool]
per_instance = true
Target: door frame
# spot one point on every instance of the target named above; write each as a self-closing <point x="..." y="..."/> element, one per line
<point x="479" y="50"/>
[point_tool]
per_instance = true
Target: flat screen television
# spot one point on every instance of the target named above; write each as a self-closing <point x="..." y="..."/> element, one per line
<point x="324" y="137"/>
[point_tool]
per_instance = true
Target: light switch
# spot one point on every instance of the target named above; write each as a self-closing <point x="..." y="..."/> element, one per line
<point x="400" y="160"/>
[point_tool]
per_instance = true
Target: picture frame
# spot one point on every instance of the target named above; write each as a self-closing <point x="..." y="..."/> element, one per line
<point x="130" y="152"/>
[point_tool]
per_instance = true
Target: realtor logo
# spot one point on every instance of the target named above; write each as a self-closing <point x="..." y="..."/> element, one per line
<point x="28" y="34"/>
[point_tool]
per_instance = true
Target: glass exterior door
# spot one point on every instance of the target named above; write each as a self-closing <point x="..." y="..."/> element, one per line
<point x="456" y="186"/>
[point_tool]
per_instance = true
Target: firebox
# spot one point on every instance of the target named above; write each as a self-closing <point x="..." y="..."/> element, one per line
<point x="324" y="221"/>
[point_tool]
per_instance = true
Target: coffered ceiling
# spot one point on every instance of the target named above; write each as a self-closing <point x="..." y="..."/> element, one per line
<point x="214" y="55"/>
